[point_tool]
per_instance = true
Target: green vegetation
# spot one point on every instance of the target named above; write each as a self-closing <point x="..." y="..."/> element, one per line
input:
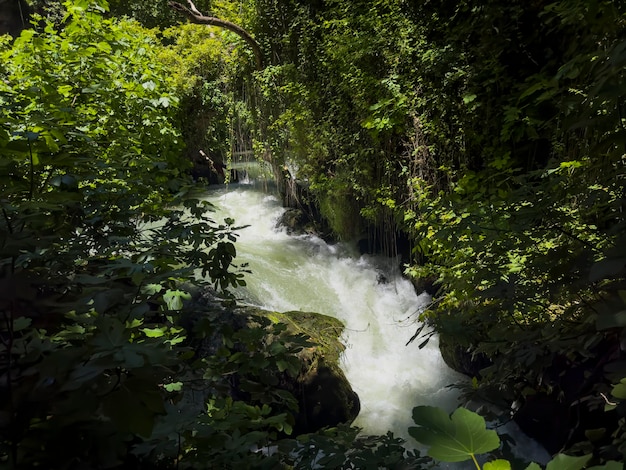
<point x="463" y="436"/>
<point x="107" y="358"/>
<point x="102" y="243"/>
<point x="491" y="136"/>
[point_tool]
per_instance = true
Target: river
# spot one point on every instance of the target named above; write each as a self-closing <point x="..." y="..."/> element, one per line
<point x="368" y="294"/>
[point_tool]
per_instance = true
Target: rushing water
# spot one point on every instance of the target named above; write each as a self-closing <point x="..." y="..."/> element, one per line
<point x="378" y="307"/>
<point x="367" y="293"/>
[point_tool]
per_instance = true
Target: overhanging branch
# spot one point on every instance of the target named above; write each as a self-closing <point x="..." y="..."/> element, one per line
<point x="196" y="17"/>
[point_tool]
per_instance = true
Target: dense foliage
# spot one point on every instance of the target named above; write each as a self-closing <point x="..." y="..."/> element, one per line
<point x="106" y="361"/>
<point x="490" y="137"/>
<point x="100" y="230"/>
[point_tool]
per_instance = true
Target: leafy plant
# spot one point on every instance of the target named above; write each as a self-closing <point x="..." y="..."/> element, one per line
<point x="454" y="438"/>
<point x="99" y="232"/>
<point x="463" y="436"/>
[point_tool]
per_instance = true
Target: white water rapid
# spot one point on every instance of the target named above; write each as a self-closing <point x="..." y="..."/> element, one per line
<point x="304" y="273"/>
<point x="367" y="293"/>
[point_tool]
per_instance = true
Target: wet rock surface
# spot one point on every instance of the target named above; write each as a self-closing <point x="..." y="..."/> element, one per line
<point x="323" y="393"/>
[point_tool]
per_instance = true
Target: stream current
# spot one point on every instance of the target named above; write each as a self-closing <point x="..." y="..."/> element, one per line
<point x="378" y="307"/>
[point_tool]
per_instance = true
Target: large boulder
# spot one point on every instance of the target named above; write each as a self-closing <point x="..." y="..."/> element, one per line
<point x="460" y="357"/>
<point x="296" y="222"/>
<point x="562" y="410"/>
<point x="323" y="393"/>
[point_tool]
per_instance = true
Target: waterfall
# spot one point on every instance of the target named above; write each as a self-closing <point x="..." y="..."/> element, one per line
<point x="378" y="307"/>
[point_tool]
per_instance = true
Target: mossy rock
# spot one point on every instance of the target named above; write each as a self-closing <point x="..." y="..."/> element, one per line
<point x="325" y="396"/>
<point x="322" y="329"/>
<point x="458" y="357"/>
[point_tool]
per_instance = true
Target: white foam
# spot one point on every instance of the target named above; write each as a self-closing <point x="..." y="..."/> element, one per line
<point x="304" y="273"/>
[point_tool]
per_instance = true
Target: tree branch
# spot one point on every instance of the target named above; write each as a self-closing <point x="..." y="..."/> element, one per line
<point x="196" y="17"/>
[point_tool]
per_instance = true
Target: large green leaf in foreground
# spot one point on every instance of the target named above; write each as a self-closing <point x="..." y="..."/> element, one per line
<point x="452" y="438"/>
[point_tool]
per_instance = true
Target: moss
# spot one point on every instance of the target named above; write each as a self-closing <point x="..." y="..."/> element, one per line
<point x="324" y="394"/>
<point x="322" y="389"/>
<point x="323" y="330"/>
<point x="342" y="212"/>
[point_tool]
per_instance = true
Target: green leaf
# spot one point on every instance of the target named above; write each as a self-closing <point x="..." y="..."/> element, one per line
<point x="151" y="289"/>
<point x="134" y="323"/>
<point x="173" y="387"/>
<point x="91" y="89"/>
<point x="104" y="47"/>
<point x="595" y="435"/>
<point x="111" y="335"/>
<point x="619" y="390"/>
<point x="497" y="465"/>
<point x="104" y="301"/>
<point x="452" y="438"/>
<point x="567" y="462"/>
<point x="612" y="465"/>
<point x="286" y="428"/>
<point x="82" y="374"/>
<point x="21" y="323"/>
<point x="174" y="299"/>
<point x="153" y="332"/>
<point x="533" y="466"/>
<point x="176" y="340"/>
<point x="467" y="99"/>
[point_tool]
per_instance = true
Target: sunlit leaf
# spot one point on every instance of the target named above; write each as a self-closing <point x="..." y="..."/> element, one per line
<point x="153" y="332"/>
<point x="151" y="289"/>
<point x="567" y="462"/>
<point x="467" y="99"/>
<point x="497" y="465"/>
<point x="174" y="299"/>
<point x="173" y="387"/>
<point x="452" y="438"/>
